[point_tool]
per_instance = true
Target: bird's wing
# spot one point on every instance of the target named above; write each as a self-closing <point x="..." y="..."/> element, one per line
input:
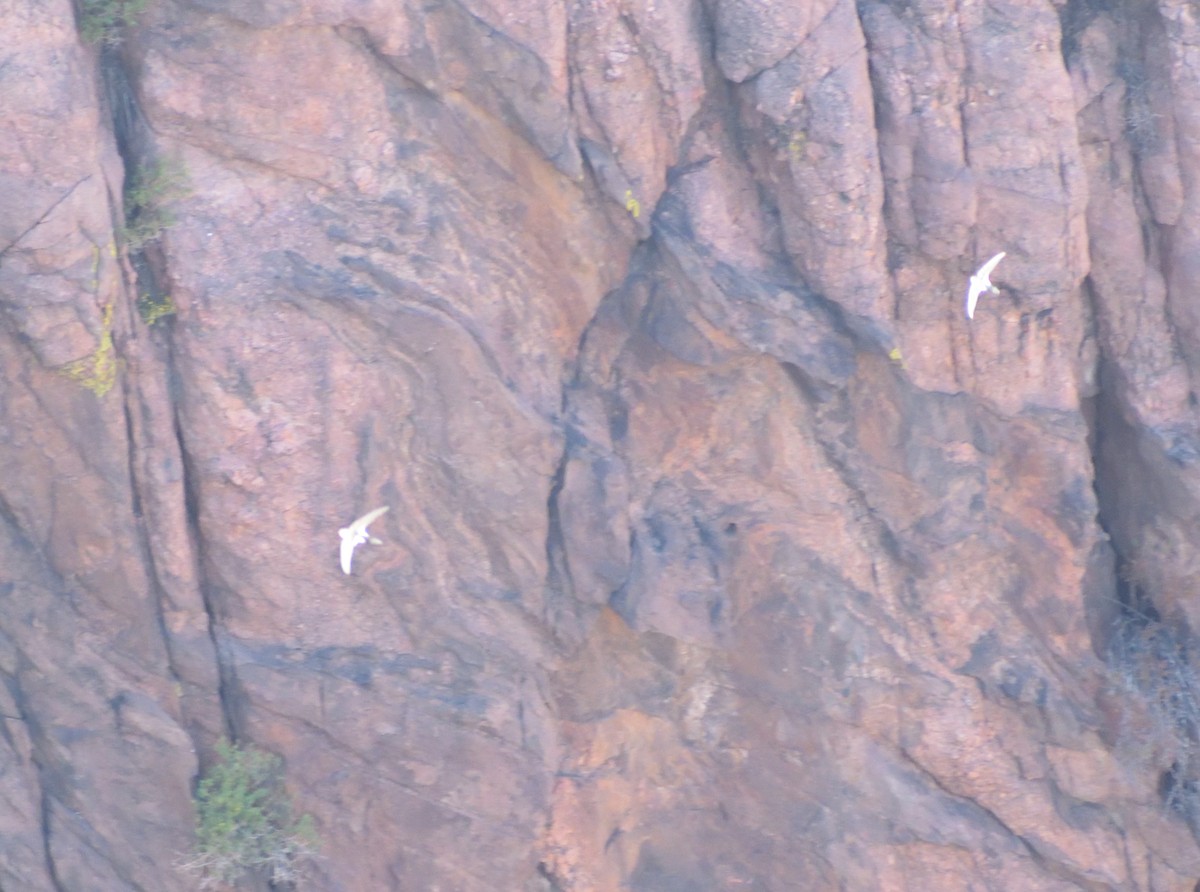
<point x="986" y="269"/>
<point x="356" y="534"/>
<point x="367" y="519"/>
<point x="973" y="293"/>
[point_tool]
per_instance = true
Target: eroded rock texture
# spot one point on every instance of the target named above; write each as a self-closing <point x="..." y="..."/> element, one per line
<point x="724" y="552"/>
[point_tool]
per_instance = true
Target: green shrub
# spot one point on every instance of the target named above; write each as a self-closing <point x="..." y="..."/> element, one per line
<point x="149" y="192"/>
<point x="244" y="822"/>
<point x="101" y="21"/>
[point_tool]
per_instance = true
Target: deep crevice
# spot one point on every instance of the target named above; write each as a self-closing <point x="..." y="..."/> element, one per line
<point x="226" y="677"/>
<point x="1111" y="441"/>
<point x="46" y="778"/>
<point x="51" y="870"/>
<point x="546" y="872"/>
<point x="559" y="584"/>
<point x="1147" y="645"/>
<point x="136" y="146"/>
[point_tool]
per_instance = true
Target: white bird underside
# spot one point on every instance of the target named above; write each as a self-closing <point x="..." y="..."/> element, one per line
<point x="356" y="534"/>
<point x="981" y="283"/>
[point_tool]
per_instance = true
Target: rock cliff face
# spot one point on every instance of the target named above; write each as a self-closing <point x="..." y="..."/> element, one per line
<point x="724" y="553"/>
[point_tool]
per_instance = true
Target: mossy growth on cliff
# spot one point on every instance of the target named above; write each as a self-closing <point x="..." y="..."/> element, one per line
<point x="102" y="21"/>
<point x="245" y="823"/>
<point x="98" y="370"/>
<point x="152" y="310"/>
<point x="150" y="190"/>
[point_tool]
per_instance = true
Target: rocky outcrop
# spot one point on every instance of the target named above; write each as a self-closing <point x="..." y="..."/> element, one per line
<point x="724" y="551"/>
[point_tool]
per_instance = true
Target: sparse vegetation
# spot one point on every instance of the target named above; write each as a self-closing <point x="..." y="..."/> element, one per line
<point x="102" y="21"/>
<point x="152" y="310"/>
<point x="1142" y="123"/>
<point x="97" y="371"/>
<point x="149" y="192"/>
<point x="1151" y="668"/>
<point x="245" y="825"/>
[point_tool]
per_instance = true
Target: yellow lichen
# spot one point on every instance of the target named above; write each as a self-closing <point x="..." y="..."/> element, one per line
<point x="97" y="371"/>
<point x="632" y="205"/>
<point x="152" y="310"/>
<point x="797" y="144"/>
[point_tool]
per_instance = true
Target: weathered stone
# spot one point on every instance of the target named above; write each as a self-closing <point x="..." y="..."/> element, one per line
<point x="724" y="552"/>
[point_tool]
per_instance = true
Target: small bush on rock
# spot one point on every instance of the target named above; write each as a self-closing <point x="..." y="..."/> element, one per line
<point x="149" y="193"/>
<point x="101" y="21"/>
<point x="245" y="824"/>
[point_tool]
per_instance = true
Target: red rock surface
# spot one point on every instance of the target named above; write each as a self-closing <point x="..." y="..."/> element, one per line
<point x="724" y="552"/>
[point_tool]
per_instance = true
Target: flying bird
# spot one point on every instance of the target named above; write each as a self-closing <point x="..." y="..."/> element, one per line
<point x="356" y="534"/>
<point x="981" y="283"/>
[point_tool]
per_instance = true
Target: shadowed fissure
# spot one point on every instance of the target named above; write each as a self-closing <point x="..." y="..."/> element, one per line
<point x="147" y="263"/>
<point x="1147" y="645"/>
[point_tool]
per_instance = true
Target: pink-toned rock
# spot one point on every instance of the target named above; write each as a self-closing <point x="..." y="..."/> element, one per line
<point x="816" y="156"/>
<point x="724" y="552"/>
<point x="752" y="37"/>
